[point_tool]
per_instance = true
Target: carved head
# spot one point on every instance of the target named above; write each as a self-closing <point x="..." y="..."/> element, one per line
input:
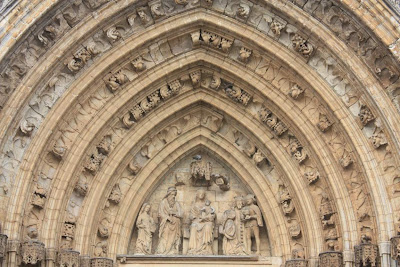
<point x="201" y="194"/>
<point x="239" y="202"/>
<point x="249" y="199"/>
<point x="146" y="208"/>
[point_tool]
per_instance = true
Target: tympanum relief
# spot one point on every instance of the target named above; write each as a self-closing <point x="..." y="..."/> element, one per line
<point x="200" y="208"/>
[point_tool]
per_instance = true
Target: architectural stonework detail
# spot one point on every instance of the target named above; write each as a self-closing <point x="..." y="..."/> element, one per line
<point x="231" y="131"/>
<point x="32" y="252"/>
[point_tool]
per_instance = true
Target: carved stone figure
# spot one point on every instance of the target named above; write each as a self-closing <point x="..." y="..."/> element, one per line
<point x="146" y="228"/>
<point x="215" y="82"/>
<point x="276" y="27"/>
<point x="170" y="232"/>
<point x="202" y="217"/>
<point x="232" y="229"/>
<point x="395" y="247"/>
<point x="252" y="222"/>
<point x="3" y="246"/>
<point x="200" y="172"/>
<point x="378" y="138"/>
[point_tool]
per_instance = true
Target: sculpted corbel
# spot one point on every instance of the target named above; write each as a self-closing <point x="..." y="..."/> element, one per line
<point x="134" y="167"/>
<point x="156" y="9"/>
<point x="296" y="91"/>
<point x="138" y="64"/>
<point x="324" y="123"/>
<point x="312" y="176"/>
<point x="365" y="115"/>
<point x="195" y="76"/>
<point x="39" y="196"/>
<point x="243" y="11"/>
<point x="294" y="229"/>
<point x="116" y="80"/>
<point x="68" y="258"/>
<point x="115" y="195"/>
<point x="302" y="46"/>
<point x="82" y="186"/>
<point x="113" y="34"/>
<point x="142" y="13"/>
<point x="378" y="139"/>
<point x="346" y="160"/>
<point x="27" y="126"/>
<point x="104" y="227"/>
<point x="244" y="54"/>
<point x="276" y="27"/>
<point x="297" y="150"/>
<point x="238" y="95"/>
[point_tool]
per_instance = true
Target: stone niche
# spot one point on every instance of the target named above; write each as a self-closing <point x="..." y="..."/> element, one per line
<point x="202" y="171"/>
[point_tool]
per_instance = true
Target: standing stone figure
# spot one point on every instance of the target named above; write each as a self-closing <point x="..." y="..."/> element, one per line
<point x="146" y="228"/>
<point x="202" y="216"/>
<point x="252" y="222"/>
<point x="232" y="230"/>
<point x="170" y="213"/>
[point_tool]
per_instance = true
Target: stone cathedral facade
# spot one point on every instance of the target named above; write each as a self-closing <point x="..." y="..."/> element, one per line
<point x="199" y="132"/>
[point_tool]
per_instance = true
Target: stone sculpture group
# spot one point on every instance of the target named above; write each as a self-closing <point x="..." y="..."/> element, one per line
<point x="237" y="228"/>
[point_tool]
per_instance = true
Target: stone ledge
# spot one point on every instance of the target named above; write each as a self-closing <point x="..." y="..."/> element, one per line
<point x="187" y="260"/>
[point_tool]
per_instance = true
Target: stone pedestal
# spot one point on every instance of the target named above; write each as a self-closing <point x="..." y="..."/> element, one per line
<point x="101" y="262"/>
<point x="32" y="252"/>
<point x="366" y="255"/>
<point x="187" y="260"/>
<point x="68" y="258"/>
<point x="331" y="259"/>
<point x="296" y="263"/>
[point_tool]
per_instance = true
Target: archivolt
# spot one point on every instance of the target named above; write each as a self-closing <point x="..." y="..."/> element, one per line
<point x="241" y="73"/>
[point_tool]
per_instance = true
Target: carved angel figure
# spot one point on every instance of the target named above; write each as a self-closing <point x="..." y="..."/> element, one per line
<point x="146" y="228"/>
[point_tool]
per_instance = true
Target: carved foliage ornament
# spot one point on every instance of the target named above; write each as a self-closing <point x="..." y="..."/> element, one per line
<point x="32" y="252"/>
<point x="272" y="121"/>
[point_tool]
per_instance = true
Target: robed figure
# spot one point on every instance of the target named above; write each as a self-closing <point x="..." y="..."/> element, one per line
<point x="146" y="228"/>
<point x="202" y="216"/>
<point x="170" y="213"/>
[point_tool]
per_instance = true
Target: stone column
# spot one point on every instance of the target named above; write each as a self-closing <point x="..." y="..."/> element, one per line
<point x="51" y="255"/>
<point x="348" y="258"/>
<point x="384" y="250"/>
<point x="101" y="262"/>
<point x="13" y="247"/>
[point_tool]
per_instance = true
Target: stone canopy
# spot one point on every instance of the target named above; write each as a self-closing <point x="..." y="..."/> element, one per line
<point x="211" y="132"/>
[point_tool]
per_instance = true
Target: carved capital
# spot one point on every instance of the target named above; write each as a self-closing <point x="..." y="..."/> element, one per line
<point x="32" y="252"/>
<point x="13" y="245"/>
